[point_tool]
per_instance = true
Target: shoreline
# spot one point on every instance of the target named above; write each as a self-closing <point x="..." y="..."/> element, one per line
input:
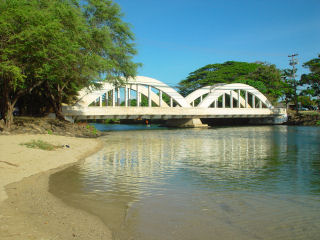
<point x="27" y="209"/>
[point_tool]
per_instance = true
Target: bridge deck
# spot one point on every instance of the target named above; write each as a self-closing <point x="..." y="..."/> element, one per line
<point x="167" y="112"/>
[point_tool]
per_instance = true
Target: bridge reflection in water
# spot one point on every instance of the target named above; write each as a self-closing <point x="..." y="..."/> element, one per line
<point x="154" y="153"/>
<point x="195" y="184"/>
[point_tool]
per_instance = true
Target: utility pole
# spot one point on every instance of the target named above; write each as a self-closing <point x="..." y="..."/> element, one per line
<point x="293" y="62"/>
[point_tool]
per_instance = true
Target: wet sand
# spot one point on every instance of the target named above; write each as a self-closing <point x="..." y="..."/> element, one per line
<point x="27" y="209"/>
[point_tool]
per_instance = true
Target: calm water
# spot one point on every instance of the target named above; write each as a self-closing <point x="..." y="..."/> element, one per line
<point x="223" y="183"/>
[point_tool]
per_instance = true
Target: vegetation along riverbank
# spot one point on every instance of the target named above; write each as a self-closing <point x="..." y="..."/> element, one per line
<point x="304" y="118"/>
<point x="41" y="125"/>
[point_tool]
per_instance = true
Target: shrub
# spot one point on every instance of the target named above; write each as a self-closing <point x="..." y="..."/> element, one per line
<point x="39" y="144"/>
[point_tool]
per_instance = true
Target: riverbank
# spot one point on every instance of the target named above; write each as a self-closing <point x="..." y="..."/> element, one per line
<point x="304" y="118"/>
<point x="27" y="209"/>
<point x="42" y="125"/>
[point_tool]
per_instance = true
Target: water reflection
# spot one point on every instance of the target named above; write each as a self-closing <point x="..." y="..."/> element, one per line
<point x="220" y="156"/>
<point x="152" y="152"/>
<point x="147" y="184"/>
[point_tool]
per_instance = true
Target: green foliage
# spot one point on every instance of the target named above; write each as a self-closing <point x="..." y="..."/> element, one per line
<point x="265" y="77"/>
<point x="60" y="47"/>
<point x="309" y="113"/>
<point x="312" y="80"/>
<point x="111" y="121"/>
<point x="290" y="87"/>
<point x="143" y="102"/>
<point x="39" y="144"/>
<point x="305" y="100"/>
<point x="166" y="98"/>
<point x="211" y="74"/>
<point x="92" y="129"/>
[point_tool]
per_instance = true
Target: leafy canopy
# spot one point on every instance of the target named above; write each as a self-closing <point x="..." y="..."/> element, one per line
<point x="61" y="46"/>
<point x="265" y="77"/>
<point x="313" y="78"/>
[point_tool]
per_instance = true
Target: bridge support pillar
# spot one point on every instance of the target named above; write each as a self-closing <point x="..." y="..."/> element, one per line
<point x="186" y="123"/>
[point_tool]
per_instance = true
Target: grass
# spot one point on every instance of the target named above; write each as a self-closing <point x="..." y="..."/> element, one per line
<point x="92" y="129"/>
<point x="310" y="113"/>
<point x="39" y="144"/>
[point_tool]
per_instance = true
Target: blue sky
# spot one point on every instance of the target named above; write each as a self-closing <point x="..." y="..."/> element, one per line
<point x="176" y="37"/>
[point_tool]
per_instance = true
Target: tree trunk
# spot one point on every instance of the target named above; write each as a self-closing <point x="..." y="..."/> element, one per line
<point x="7" y="113"/>
<point x="6" y="106"/>
<point x="57" y="108"/>
<point x="10" y="98"/>
<point x="9" y="116"/>
<point x="56" y="102"/>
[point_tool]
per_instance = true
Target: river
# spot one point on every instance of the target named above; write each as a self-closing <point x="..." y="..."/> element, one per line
<point x="259" y="182"/>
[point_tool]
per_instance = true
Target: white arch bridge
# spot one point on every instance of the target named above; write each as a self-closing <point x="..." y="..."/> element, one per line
<point x="148" y="98"/>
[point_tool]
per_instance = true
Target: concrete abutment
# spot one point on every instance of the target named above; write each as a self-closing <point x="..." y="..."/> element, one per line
<point x="186" y="123"/>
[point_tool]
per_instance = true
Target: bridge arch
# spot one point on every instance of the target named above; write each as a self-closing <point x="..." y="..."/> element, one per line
<point x="212" y="93"/>
<point x="201" y="92"/>
<point x="250" y="103"/>
<point x="140" y="85"/>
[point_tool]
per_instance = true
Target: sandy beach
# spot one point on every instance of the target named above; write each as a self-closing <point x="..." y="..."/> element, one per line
<point x="27" y="209"/>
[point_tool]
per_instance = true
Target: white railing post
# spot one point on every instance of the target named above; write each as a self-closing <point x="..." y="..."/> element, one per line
<point x="223" y="100"/>
<point x="113" y="97"/>
<point x="129" y="95"/>
<point x="149" y="96"/>
<point x="246" y="99"/>
<point x="231" y="100"/>
<point x="126" y="96"/>
<point x="118" y="97"/>
<point x="253" y="101"/>
<point x="260" y="103"/>
<point x="160" y="98"/>
<point x="138" y="96"/>
<point x="239" y="98"/>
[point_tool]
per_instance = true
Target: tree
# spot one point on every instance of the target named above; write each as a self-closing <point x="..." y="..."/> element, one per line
<point x="20" y="23"/>
<point x="312" y="79"/>
<point x="106" y="52"/>
<point x="305" y="100"/>
<point x="211" y="74"/>
<point x="61" y="46"/>
<point x="290" y="87"/>
<point x="265" y="77"/>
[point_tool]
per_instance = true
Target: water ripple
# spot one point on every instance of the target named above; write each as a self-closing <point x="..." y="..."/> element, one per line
<point x="231" y="183"/>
